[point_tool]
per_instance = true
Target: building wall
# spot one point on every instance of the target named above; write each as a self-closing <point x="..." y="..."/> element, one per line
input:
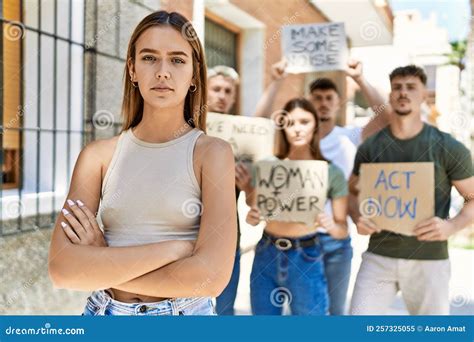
<point x="416" y="41"/>
<point x="25" y="288"/>
<point x="185" y="7"/>
<point x="274" y="14"/>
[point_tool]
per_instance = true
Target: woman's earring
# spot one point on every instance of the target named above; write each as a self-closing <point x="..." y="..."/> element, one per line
<point x="193" y="88"/>
<point x="133" y="83"/>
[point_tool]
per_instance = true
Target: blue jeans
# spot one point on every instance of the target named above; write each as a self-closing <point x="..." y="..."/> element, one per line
<point x="225" y="302"/>
<point x="295" y="276"/>
<point x="100" y="303"/>
<point x="337" y="265"/>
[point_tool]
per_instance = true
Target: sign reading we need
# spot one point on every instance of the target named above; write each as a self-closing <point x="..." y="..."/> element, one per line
<point x="251" y="138"/>
<point x="397" y="196"/>
<point x="291" y="191"/>
<point x="314" y="47"/>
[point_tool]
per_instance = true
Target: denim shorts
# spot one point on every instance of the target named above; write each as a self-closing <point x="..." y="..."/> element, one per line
<point x="100" y="303"/>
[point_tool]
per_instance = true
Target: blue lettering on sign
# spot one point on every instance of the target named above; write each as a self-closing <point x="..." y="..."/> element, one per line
<point x="388" y="181"/>
<point x="394" y="206"/>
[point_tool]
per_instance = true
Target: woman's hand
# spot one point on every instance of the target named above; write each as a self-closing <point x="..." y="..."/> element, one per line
<point x="82" y="227"/>
<point x="253" y="216"/>
<point x="354" y="69"/>
<point x="336" y="230"/>
<point x="326" y="221"/>
<point x="366" y="227"/>
<point x="278" y="70"/>
<point x="243" y="178"/>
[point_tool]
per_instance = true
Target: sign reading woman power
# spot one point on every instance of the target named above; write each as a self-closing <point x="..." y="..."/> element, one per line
<point x="314" y="47"/>
<point x="397" y="196"/>
<point x="291" y="191"/>
<point x="251" y="138"/>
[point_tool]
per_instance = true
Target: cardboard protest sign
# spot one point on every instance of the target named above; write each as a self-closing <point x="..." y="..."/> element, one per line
<point x="314" y="47"/>
<point x="397" y="196"/>
<point x="251" y="138"/>
<point x="291" y="190"/>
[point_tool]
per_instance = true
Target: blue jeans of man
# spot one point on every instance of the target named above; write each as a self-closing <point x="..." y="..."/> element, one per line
<point x="337" y="266"/>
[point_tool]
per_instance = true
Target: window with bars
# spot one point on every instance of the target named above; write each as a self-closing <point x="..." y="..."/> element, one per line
<point x="41" y="98"/>
<point x="61" y="72"/>
<point x="11" y="98"/>
<point x="220" y="45"/>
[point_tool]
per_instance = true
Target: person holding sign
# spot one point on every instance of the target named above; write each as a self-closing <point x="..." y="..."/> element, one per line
<point x="415" y="263"/>
<point x="222" y="89"/>
<point x="338" y="145"/>
<point x="165" y="189"/>
<point x="221" y="95"/>
<point x="288" y="265"/>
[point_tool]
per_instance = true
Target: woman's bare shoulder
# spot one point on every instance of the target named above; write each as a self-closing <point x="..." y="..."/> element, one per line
<point x="213" y="151"/>
<point x="207" y="144"/>
<point x="100" y="152"/>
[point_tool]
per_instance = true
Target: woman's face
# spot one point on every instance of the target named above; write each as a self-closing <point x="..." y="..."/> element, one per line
<point x="300" y="130"/>
<point x="163" y="67"/>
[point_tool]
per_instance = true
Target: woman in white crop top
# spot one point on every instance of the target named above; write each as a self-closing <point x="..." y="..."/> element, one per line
<point x="163" y="190"/>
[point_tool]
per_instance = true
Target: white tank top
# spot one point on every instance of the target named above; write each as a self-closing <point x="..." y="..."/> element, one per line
<point x="150" y="192"/>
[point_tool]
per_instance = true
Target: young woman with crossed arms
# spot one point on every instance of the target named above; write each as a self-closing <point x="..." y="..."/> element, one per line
<point x="165" y="189"/>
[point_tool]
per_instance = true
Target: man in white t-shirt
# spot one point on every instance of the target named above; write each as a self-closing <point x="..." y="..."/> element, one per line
<point x="335" y="140"/>
<point x="339" y="146"/>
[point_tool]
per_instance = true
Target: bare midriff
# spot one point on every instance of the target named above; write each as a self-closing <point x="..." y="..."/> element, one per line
<point x="288" y="229"/>
<point x="128" y="297"/>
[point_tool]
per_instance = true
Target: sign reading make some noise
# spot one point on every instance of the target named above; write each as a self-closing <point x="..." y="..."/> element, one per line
<point x="314" y="47"/>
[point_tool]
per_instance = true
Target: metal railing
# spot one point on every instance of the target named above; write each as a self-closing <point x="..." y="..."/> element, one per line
<point x="21" y="222"/>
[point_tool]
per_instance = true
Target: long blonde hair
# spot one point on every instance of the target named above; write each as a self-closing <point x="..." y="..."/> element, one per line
<point x="195" y="107"/>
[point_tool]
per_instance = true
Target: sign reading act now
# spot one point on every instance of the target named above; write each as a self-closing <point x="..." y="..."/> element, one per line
<point x="397" y="196"/>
